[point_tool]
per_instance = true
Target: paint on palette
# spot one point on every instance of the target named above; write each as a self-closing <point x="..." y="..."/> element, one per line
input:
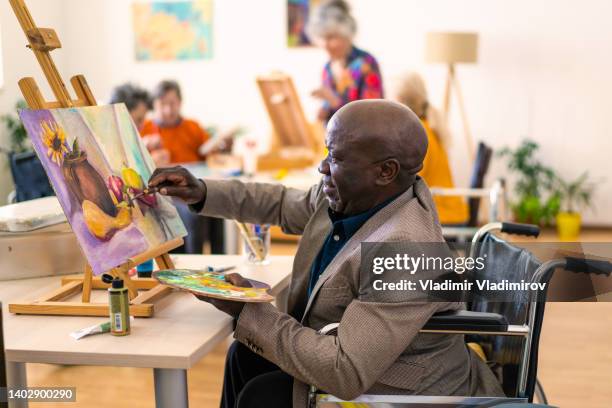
<point x="210" y="284"/>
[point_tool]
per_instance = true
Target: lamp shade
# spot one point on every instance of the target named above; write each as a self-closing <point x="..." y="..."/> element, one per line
<point x="450" y="48"/>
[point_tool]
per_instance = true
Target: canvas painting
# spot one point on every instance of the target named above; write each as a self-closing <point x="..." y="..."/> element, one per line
<point x="99" y="167"/>
<point x="298" y="12"/>
<point x="173" y="30"/>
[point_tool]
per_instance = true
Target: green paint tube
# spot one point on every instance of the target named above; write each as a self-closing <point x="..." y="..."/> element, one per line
<point x="88" y="331"/>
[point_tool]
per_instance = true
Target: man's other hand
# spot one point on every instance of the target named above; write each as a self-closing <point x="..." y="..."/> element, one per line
<point x="178" y="182"/>
<point x="230" y="307"/>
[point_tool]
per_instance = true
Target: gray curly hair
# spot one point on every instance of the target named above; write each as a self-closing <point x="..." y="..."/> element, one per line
<point x="331" y="17"/>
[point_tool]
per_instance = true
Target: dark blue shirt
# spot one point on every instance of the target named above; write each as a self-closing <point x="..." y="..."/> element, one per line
<point x="343" y="228"/>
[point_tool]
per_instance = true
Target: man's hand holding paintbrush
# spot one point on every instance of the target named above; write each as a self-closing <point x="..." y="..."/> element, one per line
<point x="178" y="182"/>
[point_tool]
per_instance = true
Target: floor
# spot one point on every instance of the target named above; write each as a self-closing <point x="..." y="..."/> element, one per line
<point x="575" y="364"/>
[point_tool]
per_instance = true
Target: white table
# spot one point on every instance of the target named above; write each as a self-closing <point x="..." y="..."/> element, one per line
<point x="182" y="331"/>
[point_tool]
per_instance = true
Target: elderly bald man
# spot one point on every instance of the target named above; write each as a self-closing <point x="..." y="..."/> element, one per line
<point x="369" y="192"/>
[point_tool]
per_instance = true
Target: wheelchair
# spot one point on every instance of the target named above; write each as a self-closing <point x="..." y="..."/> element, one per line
<point x="508" y="332"/>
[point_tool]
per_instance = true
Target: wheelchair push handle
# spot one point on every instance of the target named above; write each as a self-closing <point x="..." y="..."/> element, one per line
<point x="596" y="266"/>
<point x="515" y="228"/>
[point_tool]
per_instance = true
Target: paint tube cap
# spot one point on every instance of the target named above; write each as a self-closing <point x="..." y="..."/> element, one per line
<point x="117" y="283"/>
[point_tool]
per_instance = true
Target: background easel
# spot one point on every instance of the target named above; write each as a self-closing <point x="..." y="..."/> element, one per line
<point x="296" y="144"/>
<point x="42" y="41"/>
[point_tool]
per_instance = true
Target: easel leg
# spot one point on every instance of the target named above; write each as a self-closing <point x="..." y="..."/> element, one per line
<point x="164" y="261"/>
<point x="87" y="278"/>
<point x="122" y="274"/>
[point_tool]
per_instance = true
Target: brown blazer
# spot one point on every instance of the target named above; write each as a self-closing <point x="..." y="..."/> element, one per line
<point x="378" y="348"/>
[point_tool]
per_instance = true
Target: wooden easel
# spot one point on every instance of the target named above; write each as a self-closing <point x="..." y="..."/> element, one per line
<point x="42" y="41"/>
<point x="296" y="144"/>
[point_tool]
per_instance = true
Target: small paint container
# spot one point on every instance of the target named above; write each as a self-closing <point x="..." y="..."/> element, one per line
<point x="119" y="305"/>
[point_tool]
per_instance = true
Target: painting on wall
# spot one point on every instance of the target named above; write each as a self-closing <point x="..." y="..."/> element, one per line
<point x="98" y="167"/>
<point x="173" y="30"/>
<point x="298" y="12"/>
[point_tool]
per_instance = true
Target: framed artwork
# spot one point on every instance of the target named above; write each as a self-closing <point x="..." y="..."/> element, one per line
<point x="98" y="167"/>
<point x="173" y="30"/>
<point x="298" y="12"/>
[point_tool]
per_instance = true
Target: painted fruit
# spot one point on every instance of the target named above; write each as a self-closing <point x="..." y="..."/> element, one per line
<point x="132" y="178"/>
<point x="115" y="185"/>
<point x="100" y="224"/>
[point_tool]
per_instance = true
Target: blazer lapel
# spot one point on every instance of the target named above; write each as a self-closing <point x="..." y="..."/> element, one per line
<point x="360" y="236"/>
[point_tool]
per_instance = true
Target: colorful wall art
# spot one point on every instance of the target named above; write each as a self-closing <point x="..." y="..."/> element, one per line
<point x="173" y="30"/>
<point x="99" y="167"/>
<point x="298" y="12"/>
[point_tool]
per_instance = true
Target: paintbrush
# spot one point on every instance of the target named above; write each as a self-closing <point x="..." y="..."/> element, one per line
<point x="146" y="191"/>
<point x="255" y="247"/>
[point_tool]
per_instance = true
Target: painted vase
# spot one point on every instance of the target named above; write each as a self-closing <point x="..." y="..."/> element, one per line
<point x="87" y="184"/>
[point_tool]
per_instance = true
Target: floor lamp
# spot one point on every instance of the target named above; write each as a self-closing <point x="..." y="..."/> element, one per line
<point x="450" y="49"/>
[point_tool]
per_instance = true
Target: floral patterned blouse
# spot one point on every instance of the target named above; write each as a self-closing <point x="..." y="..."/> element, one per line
<point x="361" y="79"/>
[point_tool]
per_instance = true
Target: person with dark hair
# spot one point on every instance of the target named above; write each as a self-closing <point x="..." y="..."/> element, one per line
<point x="136" y="99"/>
<point x="351" y="73"/>
<point x="180" y="137"/>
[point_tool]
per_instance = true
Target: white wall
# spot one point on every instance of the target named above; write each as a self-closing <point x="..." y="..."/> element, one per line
<point x="543" y="72"/>
<point x="18" y="61"/>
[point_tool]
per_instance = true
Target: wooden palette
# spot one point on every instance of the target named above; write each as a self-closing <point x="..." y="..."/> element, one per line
<point x="213" y="285"/>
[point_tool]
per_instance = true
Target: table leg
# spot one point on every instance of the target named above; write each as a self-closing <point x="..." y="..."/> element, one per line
<point x="170" y="388"/>
<point x="16" y="378"/>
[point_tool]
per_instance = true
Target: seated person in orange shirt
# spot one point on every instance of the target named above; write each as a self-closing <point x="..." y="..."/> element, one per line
<point x="180" y="138"/>
<point x="172" y="139"/>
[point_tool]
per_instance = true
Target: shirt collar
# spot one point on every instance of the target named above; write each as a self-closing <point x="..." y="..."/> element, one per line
<point x="351" y="223"/>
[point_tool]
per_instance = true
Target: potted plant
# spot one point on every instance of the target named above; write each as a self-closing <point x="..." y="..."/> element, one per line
<point x="537" y="201"/>
<point x="575" y="195"/>
<point x="28" y="174"/>
<point x="17" y="133"/>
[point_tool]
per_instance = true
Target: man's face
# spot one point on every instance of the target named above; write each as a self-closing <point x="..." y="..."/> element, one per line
<point x="349" y="174"/>
<point x="168" y="108"/>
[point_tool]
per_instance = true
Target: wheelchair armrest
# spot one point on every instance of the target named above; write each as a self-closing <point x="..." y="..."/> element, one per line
<point x="463" y="320"/>
<point x="583" y="265"/>
<point x="514" y="228"/>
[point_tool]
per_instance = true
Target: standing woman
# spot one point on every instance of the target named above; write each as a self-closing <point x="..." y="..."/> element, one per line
<point x="351" y="73"/>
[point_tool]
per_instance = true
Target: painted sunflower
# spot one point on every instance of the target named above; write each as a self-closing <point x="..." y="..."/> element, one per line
<point x="54" y="138"/>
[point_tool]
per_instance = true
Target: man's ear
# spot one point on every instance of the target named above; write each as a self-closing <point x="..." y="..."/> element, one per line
<point x="389" y="170"/>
